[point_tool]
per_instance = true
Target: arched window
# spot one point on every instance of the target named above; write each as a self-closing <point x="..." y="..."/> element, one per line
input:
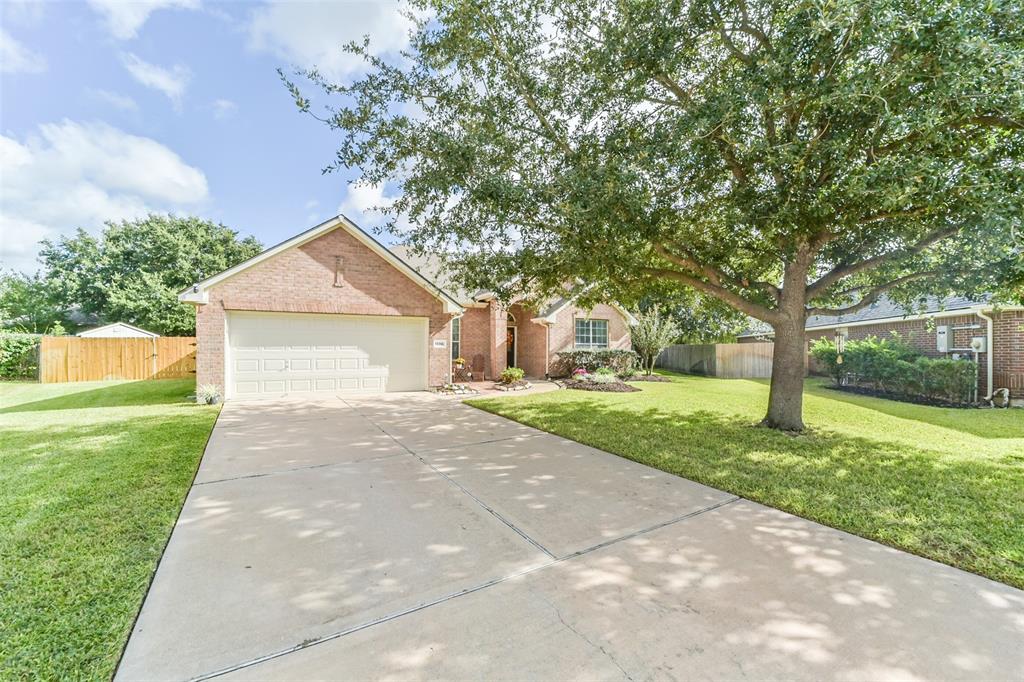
<point x="511" y="320"/>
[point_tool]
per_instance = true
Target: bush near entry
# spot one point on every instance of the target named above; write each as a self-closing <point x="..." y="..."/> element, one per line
<point x="621" y="361"/>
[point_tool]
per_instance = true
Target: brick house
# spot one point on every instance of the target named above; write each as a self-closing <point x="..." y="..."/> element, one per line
<point x="944" y="328"/>
<point x="332" y="310"/>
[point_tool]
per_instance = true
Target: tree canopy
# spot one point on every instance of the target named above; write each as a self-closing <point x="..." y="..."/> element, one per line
<point x="132" y="272"/>
<point x="786" y="157"/>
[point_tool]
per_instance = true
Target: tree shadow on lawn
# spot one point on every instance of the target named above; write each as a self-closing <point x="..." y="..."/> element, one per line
<point x="982" y="423"/>
<point x="961" y="510"/>
<point x="129" y="394"/>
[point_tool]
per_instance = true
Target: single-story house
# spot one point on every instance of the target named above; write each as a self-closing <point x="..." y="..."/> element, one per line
<point x="332" y="310"/>
<point x="952" y="327"/>
<point x="117" y="330"/>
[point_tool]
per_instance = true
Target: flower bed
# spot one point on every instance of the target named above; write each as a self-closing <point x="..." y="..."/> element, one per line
<point x="608" y="387"/>
<point x="455" y="389"/>
<point x="518" y="385"/>
<point x="648" y="377"/>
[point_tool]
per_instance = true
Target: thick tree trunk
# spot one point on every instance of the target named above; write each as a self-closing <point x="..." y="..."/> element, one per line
<point x="786" y="397"/>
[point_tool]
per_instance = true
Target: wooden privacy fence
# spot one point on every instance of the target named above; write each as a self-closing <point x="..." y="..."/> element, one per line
<point x="70" y="358"/>
<point x="725" y="360"/>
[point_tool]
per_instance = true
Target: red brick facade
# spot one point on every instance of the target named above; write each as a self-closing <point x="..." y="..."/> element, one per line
<point x="302" y="280"/>
<point x="485" y="330"/>
<point x="1007" y="333"/>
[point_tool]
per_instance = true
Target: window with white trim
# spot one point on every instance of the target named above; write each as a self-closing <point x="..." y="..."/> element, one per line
<point x="591" y="334"/>
<point x="456" y="337"/>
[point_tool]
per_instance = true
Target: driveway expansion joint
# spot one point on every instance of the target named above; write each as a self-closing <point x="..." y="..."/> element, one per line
<point x="294" y="469"/>
<point x="305" y="644"/>
<point x="461" y="487"/>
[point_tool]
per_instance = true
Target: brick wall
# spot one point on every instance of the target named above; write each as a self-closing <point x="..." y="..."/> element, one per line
<point x="563" y="331"/>
<point x="1008" y="351"/>
<point x="301" y="280"/>
<point x="531" y="341"/>
<point x="484" y="332"/>
<point x="476" y="338"/>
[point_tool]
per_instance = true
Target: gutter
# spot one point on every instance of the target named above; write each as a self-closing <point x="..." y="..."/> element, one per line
<point x="989" y="352"/>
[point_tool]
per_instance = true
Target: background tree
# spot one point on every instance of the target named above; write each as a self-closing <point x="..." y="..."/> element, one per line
<point x="134" y="270"/>
<point x="786" y="157"/>
<point x="28" y="304"/>
<point x="700" y="318"/>
<point x="653" y="332"/>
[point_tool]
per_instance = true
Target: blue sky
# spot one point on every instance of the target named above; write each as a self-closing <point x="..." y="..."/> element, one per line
<point x="110" y="109"/>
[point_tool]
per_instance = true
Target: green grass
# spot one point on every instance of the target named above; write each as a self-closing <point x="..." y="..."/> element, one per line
<point x="942" y="483"/>
<point x="92" y="477"/>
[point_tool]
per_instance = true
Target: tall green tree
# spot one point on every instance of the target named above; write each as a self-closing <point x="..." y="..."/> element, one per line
<point x="28" y="304"/>
<point x="133" y="271"/>
<point x="787" y="157"/>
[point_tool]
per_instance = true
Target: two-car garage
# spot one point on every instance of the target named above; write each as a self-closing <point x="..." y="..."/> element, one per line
<point x="270" y="355"/>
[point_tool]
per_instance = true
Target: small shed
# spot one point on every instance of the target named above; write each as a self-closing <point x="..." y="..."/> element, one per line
<point x="117" y="330"/>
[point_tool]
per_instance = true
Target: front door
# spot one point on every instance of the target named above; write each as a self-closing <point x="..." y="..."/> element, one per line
<point x="510" y="347"/>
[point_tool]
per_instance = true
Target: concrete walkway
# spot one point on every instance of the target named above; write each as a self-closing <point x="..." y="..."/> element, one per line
<point x="410" y="537"/>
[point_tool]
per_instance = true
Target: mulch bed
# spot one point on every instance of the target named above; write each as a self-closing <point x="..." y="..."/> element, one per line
<point x="612" y="387"/>
<point x="917" y="400"/>
<point x="652" y="377"/>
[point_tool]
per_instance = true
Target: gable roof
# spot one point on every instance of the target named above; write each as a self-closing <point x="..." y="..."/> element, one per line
<point x="198" y="293"/>
<point x="883" y="310"/>
<point x="92" y="330"/>
<point x="432" y="268"/>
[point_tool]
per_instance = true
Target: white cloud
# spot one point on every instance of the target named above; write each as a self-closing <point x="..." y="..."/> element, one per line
<point x="310" y="34"/>
<point x="172" y="82"/>
<point x="73" y="174"/>
<point x="124" y="18"/>
<point x="16" y="58"/>
<point x="224" y="108"/>
<point x="363" y="203"/>
<point x="118" y="101"/>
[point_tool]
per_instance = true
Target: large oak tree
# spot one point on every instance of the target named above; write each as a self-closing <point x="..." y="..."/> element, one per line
<point x="787" y="157"/>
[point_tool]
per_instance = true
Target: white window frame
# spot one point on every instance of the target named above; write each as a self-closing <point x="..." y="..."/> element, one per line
<point x="456" y="337"/>
<point x="591" y="344"/>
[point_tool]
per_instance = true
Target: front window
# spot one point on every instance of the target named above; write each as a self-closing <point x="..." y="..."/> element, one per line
<point x="591" y="334"/>
<point x="456" y="337"/>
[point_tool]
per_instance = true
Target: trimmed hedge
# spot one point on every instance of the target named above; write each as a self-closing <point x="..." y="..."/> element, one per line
<point x="620" y="361"/>
<point x="19" y="355"/>
<point x="896" y="369"/>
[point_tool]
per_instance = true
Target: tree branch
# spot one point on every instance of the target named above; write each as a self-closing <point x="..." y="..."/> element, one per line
<point x="735" y="300"/>
<point x="847" y="269"/>
<point x="870" y="297"/>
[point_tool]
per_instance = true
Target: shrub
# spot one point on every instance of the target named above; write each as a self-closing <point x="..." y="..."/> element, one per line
<point x="622" y="362"/>
<point x="510" y="375"/>
<point x="208" y="394"/>
<point x="653" y="333"/>
<point x="599" y="377"/>
<point x="605" y="371"/>
<point x="19" y="356"/>
<point x="891" y="366"/>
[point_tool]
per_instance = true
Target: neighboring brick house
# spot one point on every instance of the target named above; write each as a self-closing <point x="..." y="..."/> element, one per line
<point x="942" y="328"/>
<point x="334" y="311"/>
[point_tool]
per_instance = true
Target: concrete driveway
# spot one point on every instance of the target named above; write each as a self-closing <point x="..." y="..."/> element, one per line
<point x="411" y="537"/>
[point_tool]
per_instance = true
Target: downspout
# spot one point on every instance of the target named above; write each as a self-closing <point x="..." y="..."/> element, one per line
<point x="989" y="353"/>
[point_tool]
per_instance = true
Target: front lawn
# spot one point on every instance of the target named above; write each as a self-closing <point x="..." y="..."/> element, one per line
<point x="947" y="484"/>
<point x="92" y="477"/>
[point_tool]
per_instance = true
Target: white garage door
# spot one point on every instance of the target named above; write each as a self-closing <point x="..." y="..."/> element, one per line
<point x="282" y="354"/>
